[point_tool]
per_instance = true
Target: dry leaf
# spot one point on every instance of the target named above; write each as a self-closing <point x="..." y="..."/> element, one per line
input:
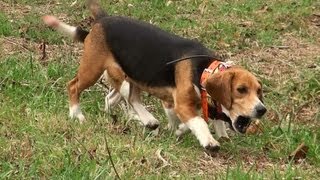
<point x="299" y="153"/>
<point x="168" y="3"/>
<point x="263" y="9"/>
<point x="254" y="128"/>
<point x="246" y="23"/>
<point x="223" y="44"/>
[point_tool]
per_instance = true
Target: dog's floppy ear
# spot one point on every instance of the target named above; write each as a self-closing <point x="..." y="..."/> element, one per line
<point x="260" y="95"/>
<point x="219" y="87"/>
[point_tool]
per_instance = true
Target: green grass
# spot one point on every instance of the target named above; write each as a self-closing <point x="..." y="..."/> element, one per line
<point x="38" y="140"/>
<point x="6" y="28"/>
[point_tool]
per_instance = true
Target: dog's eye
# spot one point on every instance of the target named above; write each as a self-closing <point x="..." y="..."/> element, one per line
<point x="242" y="90"/>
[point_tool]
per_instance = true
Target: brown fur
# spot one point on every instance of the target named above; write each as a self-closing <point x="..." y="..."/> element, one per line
<point x="223" y="86"/>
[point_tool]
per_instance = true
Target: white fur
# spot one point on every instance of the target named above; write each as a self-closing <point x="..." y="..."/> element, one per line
<point x="144" y="116"/>
<point x="197" y="90"/>
<point x="125" y="90"/>
<point x="220" y="128"/>
<point x="75" y="112"/>
<point x="67" y="29"/>
<point x="225" y="111"/>
<point x="112" y="99"/>
<point x="131" y="114"/>
<point x="182" y="129"/>
<point x="173" y="119"/>
<point x="200" y="129"/>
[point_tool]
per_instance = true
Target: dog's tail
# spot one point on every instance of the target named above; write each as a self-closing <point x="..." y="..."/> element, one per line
<point x="77" y="33"/>
<point x="95" y="9"/>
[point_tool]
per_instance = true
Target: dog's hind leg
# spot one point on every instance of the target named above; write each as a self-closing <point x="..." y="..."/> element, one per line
<point x="112" y="99"/>
<point x="86" y="77"/>
<point x="132" y="96"/>
<point x="92" y="65"/>
<point x="134" y="100"/>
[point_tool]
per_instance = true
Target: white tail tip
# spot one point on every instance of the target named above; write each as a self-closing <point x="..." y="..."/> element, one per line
<point x="51" y="21"/>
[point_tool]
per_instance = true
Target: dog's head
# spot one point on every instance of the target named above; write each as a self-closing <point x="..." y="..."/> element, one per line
<point x="240" y="94"/>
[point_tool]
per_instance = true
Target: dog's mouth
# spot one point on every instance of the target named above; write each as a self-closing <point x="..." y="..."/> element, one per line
<point x="242" y="123"/>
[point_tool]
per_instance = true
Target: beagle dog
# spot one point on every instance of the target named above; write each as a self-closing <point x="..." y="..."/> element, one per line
<point x="137" y="56"/>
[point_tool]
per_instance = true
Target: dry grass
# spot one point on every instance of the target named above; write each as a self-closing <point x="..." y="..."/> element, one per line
<point x="280" y="42"/>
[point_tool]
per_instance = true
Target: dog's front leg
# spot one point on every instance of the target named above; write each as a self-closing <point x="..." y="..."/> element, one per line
<point x="220" y="128"/>
<point x="186" y="101"/>
<point x="173" y="119"/>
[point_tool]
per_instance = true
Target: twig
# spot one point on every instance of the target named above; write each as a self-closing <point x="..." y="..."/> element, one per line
<point x="109" y="153"/>
<point x="299" y="153"/>
<point x="270" y="73"/>
<point x="165" y="163"/>
<point x="84" y="147"/>
<point x="281" y="47"/>
<point x="44" y="53"/>
<point x="15" y="43"/>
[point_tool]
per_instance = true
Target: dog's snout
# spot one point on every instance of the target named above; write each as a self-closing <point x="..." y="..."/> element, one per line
<point x="260" y="110"/>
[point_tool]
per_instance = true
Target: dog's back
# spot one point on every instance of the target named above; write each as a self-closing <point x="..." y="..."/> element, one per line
<point x="143" y="50"/>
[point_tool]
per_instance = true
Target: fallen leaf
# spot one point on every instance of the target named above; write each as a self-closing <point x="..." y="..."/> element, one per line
<point x="299" y="153"/>
<point x="254" y="128"/>
<point x="168" y="3"/>
<point x="265" y="8"/>
<point x="246" y="23"/>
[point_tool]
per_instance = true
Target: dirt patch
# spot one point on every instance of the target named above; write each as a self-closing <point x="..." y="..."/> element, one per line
<point x="18" y="11"/>
<point x="315" y="19"/>
<point x="279" y="62"/>
<point x="21" y="46"/>
<point x="11" y="45"/>
<point x="15" y="10"/>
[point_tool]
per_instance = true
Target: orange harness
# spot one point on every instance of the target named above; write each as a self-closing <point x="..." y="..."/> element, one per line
<point x="215" y="66"/>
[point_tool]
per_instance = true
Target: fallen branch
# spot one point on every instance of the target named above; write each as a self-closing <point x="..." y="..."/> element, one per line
<point x="109" y="154"/>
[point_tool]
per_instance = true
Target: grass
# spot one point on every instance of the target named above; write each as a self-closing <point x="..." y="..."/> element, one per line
<point x="38" y="140"/>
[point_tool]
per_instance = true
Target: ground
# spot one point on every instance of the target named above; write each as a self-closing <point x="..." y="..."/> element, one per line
<point x="279" y="41"/>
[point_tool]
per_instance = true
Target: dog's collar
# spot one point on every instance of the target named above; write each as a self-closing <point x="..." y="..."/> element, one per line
<point x="215" y="67"/>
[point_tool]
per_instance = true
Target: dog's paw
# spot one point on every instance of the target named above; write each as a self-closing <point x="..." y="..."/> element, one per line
<point x="132" y="115"/>
<point x="224" y="139"/>
<point x="171" y="127"/>
<point x="212" y="146"/>
<point x="81" y="118"/>
<point x="150" y="122"/>
<point x="152" y="126"/>
<point x="212" y="149"/>
<point x="75" y="112"/>
<point x="182" y="129"/>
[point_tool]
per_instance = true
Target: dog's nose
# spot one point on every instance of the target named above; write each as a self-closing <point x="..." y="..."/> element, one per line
<point x="261" y="110"/>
